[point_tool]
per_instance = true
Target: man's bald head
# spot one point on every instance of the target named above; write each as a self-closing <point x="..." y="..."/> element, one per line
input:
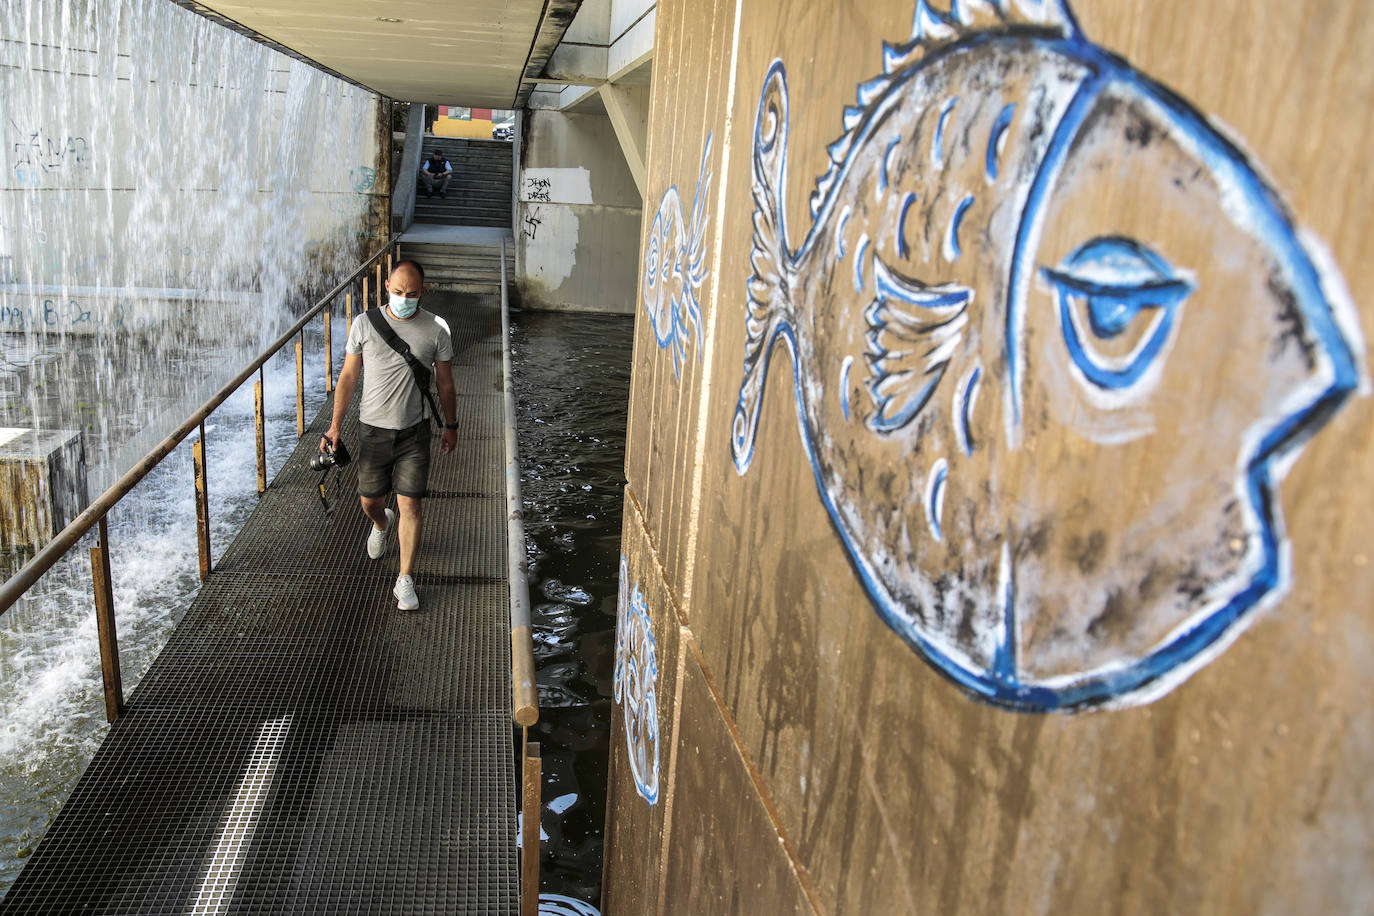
<point x="407" y="279"/>
<point x="411" y="268"/>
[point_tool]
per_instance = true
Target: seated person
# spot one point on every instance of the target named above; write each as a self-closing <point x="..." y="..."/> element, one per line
<point x="436" y="168"/>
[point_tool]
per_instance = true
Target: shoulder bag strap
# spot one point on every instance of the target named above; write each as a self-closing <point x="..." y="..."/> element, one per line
<point x="418" y="370"/>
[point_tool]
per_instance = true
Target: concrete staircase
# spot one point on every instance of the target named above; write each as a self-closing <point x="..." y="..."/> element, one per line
<point x="460" y="258"/>
<point x="480" y="192"/>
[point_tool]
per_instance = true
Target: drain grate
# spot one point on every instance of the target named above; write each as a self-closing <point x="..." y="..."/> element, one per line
<point x="302" y="746"/>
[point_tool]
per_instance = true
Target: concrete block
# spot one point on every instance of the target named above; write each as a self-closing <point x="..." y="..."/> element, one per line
<point x="42" y="484"/>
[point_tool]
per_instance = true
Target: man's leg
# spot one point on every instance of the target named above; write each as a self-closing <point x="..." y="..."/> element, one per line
<point x="410" y="529"/>
<point x="428" y="180"/>
<point x="374" y="461"/>
<point x="410" y="479"/>
<point x="374" y="507"/>
<point x="443" y="188"/>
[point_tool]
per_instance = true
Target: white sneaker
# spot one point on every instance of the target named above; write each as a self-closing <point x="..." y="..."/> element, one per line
<point x="406" y="599"/>
<point x="376" y="541"/>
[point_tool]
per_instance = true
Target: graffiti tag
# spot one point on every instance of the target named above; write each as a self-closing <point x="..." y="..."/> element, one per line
<point x="539" y="189"/>
<point x="38" y="152"/>
<point x="531" y="222"/>
<point x="364" y="178"/>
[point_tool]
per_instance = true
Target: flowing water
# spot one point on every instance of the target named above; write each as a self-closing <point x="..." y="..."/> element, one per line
<point x="572" y="386"/>
<point x="168" y="187"/>
<point x="50" y="681"/>
<point x="169" y="192"/>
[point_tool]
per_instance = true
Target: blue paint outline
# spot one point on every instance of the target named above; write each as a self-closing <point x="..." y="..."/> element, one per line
<point x="859" y="263"/>
<point x="999" y="129"/>
<point x="937" y="145"/>
<point x="887" y="158"/>
<point x="1271" y="222"/>
<point x="935" y="498"/>
<point x="955" y="223"/>
<point x="845" y="366"/>
<point x="967" y="396"/>
<point x="902" y="250"/>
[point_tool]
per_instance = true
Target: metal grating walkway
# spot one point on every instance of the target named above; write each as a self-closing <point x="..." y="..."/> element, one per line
<point x="302" y="746"/>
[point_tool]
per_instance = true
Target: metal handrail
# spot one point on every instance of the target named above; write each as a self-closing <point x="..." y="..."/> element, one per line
<point x="524" y="693"/>
<point x="45" y="559"/>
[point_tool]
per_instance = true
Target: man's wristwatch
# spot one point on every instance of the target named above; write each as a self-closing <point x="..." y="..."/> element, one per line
<point x="453" y="425"/>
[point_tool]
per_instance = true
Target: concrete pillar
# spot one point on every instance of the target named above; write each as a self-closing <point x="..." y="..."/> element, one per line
<point x="403" y="194"/>
<point x="379" y="205"/>
<point x="628" y="108"/>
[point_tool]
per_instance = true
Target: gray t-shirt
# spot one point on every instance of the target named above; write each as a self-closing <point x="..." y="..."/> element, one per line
<point x="390" y="398"/>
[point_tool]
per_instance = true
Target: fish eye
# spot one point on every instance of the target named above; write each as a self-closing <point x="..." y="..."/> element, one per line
<point x="1117" y="282"/>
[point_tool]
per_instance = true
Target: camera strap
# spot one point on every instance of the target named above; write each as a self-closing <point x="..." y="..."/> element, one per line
<point x="417" y="369"/>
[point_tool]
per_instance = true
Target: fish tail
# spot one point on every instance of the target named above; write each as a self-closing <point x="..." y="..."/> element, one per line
<point x="770" y="306"/>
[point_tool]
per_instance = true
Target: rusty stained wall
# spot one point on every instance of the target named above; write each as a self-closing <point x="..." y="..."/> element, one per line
<point x="1096" y="639"/>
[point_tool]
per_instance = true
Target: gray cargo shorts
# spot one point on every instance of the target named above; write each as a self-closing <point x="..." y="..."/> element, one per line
<point x="394" y="459"/>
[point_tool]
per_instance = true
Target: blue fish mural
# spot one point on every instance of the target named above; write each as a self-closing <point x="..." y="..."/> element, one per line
<point x="675" y="269"/>
<point x="1022" y="258"/>
<point x="635" y="684"/>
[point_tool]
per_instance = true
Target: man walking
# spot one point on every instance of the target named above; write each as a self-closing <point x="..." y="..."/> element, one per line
<point x="393" y="451"/>
<point x="437" y="169"/>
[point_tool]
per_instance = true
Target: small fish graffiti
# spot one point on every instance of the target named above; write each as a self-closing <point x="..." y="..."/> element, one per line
<point x="1021" y="256"/>
<point x="675" y="269"/>
<point x="561" y="905"/>
<point x="635" y="684"/>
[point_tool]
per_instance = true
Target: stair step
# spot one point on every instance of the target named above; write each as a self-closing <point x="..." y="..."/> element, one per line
<point x="486" y="212"/>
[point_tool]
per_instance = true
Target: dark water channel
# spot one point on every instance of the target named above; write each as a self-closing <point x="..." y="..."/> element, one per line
<point x="572" y="385"/>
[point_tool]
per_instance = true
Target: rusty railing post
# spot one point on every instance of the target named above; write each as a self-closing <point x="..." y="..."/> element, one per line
<point x="348" y="311"/>
<point x="531" y="778"/>
<point x="381" y="290"/>
<point x="300" y="385"/>
<point x="105" y="624"/>
<point x="260" y="424"/>
<point x="202" y="505"/>
<point x="366" y="299"/>
<point x="329" y="350"/>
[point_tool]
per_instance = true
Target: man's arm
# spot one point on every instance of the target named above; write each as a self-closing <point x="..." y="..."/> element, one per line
<point x="448" y="402"/>
<point x="343" y="393"/>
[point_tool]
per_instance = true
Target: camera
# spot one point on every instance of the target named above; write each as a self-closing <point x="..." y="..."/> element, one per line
<point x="335" y="457"/>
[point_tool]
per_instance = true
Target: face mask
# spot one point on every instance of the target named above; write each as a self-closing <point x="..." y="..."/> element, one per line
<point x="402" y="307"/>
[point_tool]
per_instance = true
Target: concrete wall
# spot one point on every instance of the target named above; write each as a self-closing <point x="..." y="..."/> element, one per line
<point x="1036" y="579"/>
<point x="129" y="166"/>
<point x="578" y="215"/>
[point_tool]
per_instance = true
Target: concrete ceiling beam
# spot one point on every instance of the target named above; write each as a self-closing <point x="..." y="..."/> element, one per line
<point x="576" y="64"/>
<point x="628" y="108"/>
<point x="553" y="23"/>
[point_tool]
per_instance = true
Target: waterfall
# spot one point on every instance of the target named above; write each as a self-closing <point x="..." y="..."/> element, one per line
<point x="169" y="185"/>
<point x="171" y="189"/>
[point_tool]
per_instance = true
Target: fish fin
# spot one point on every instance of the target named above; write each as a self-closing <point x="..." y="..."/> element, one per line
<point x="934" y="27"/>
<point x="914" y="331"/>
<point x="770" y="309"/>
<point x="696" y="248"/>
